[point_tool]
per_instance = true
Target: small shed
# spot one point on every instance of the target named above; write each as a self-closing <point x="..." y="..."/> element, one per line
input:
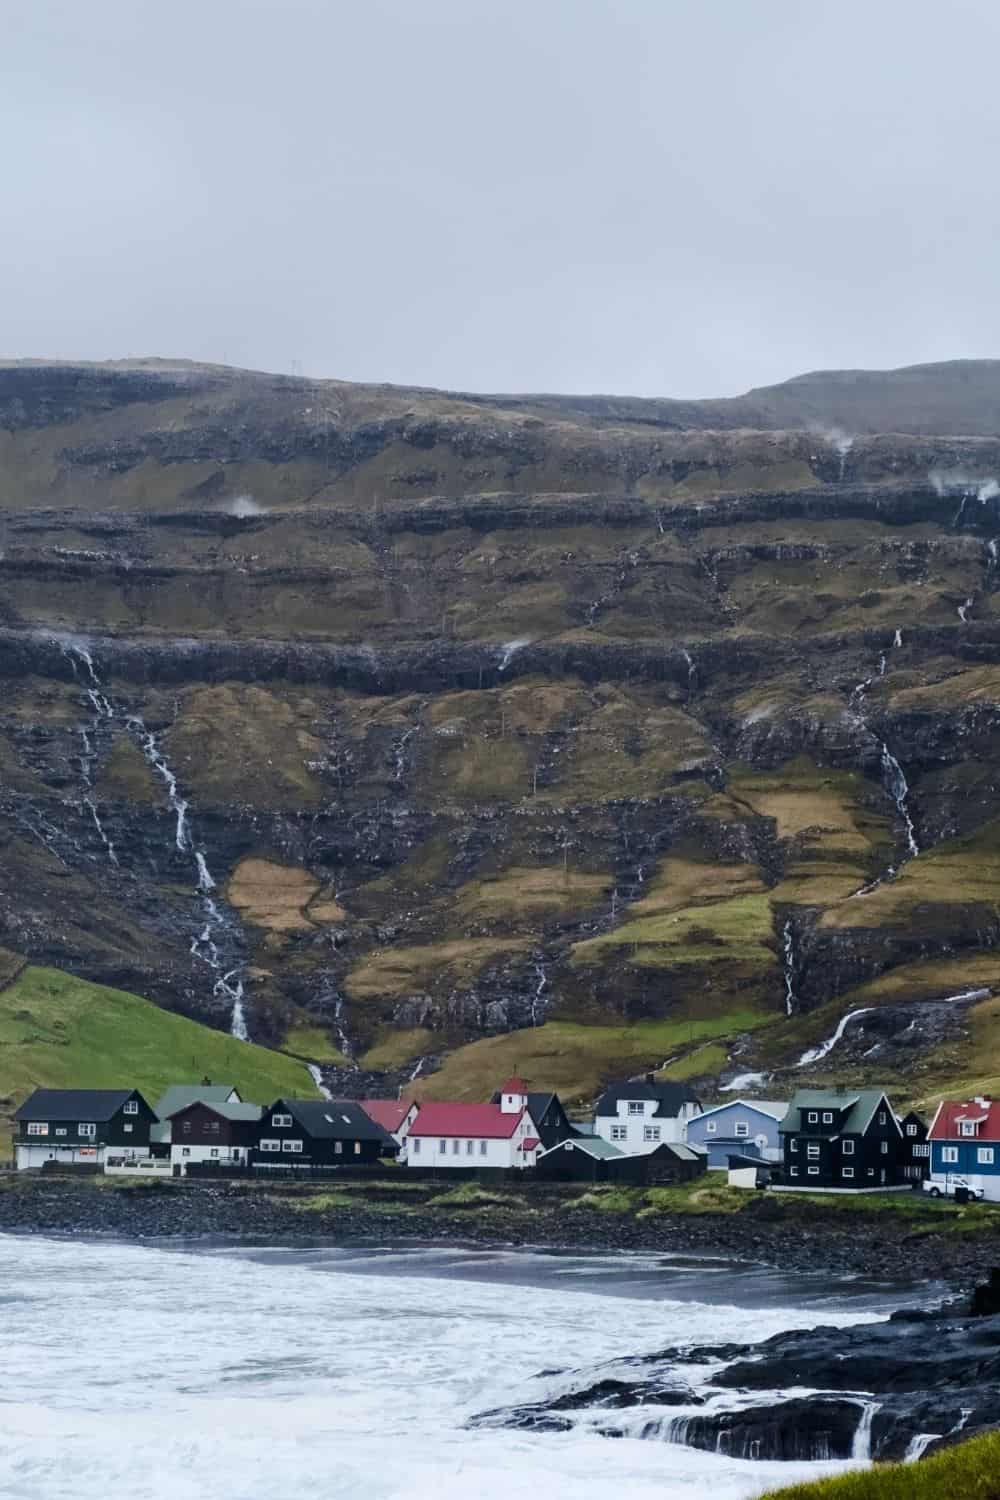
<point x="581" y="1159"/>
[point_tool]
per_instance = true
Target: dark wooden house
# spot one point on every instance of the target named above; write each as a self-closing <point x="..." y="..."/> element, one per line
<point x="318" y="1132"/>
<point x="222" y="1132"/>
<point x="842" y="1138"/>
<point x="915" y="1163"/>
<point x="79" y="1127"/>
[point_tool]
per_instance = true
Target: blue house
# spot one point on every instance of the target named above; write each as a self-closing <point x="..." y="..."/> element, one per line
<point x="746" y="1126"/>
<point x="965" y="1146"/>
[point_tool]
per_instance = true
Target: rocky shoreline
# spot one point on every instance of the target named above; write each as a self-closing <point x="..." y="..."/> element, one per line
<point x="795" y="1237"/>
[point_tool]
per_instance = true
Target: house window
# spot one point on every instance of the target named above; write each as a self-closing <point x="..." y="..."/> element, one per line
<point x="813" y="1171"/>
<point x="794" y="1171"/>
<point x="338" y="1148"/>
<point x="415" y="1144"/>
<point x="742" y="1129"/>
<point x="911" y="1130"/>
<point x="847" y="1171"/>
<point x="922" y="1150"/>
<point x="871" y="1171"/>
<point x="87" y="1131"/>
<point x="456" y="1147"/>
<point x="357" y="1148"/>
<point x="214" y="1151"/>
<point x="949" y="1153"/>
<point x="827" y="1117"/>
<point x="186" y="1127"/>
<point x="470" y="1147"/>
<point x="847" y="1147"/>
<point x="711" y="1126"/>
<point x="131" y="1107"/>
<point x="984" y="1156"/>
<point x="37" y="1127"/>
<point x="881" y="1116"/>
<point x="291" y="1146"/>
<point x="212" y="1126"/>
<point x="885" y="1148"/>
<point x="794" y="1143"/>
<point x="651" y="1133"/>
<point x="637" y="1109"/>
<point x="813" y="1149"/>
<point x="483" y="1148"/>
<point x="281" y="1122"/>
<point x="127" y="1129"/>
<point x="442" y="1147"/>
<point x="968" y="1127"/>
<point x="619" y="1132"/>
<point x="60" y="1130"/>
<point x="264" y="1146"/>
<point x="185" y="1150"/>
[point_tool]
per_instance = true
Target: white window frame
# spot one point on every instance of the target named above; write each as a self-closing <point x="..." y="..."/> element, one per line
<point x="415" y="1143"/>
<point x="637" y="1108"/>
<point x="442" y="1147"/>
<point x="619" y="1132"/>
<point x="267" y="1145"/>
<point x="984" y="1156"/>
<point x="922" y="1150"/>
<point x="293" y="1146"/>
<point x="882" y="1117"/>
<point x="86" y="1131"/>
<point x="60" y="1130"/>
<point x="357" y="1148"/>
<point x="949" y="1154"/>
<point x="281" y="1122"/>
<point x="794" y="1171"/>
<point x="847" y="1148"/>
<point x="813" y="1171"/>
<point x="38" y="1127"/>
<point x="812" y="1118"/>
<point x="338" y="1148"/>
<point x="847" y="1171"/>
<point x="968" y="1127"/>
<point x="130" y="1107"/>
<point x="742" y="1130"/>
<point x="127" y="1127"/>
<point x="794" y="1144"/>
<point x="651" y="1132"/>
<point x="911" y="1129"/>
<point x="711" y="1126"/>
<point x="885" y="1148"/>
<point x="812" y="1149"/>
<point x="828" y="1117"/>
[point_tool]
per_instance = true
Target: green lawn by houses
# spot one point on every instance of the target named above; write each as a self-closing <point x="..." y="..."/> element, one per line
<point x="57" y="1031"/>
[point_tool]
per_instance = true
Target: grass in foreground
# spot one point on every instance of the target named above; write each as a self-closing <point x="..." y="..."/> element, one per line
<point x="57" y="1031"/>
<point x="969" y="1472"/>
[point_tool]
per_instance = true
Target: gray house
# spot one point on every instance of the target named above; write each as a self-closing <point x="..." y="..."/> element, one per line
<point x="748" y="1127"/>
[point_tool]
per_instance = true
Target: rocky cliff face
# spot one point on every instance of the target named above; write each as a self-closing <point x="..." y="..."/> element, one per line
<point x="386" y="722"/>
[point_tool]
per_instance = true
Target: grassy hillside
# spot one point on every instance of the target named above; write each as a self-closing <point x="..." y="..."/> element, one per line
<point x="971" y="1471"/>
<point x="60" y="1032"/>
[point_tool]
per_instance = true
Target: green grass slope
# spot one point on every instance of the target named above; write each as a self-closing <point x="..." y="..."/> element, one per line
<point x="60" y="1032"/>
<point x="968" y="1472"/>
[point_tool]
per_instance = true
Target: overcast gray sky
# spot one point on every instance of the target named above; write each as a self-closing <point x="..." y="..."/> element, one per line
<point x="659" y="197"/>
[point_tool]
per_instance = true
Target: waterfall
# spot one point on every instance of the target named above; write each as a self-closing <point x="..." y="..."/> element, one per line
<point x="745" y="1081"/>
<point x="861" y="1448"/>
<point x="205" y="881"/>
<point x="317" y="1077"/>
<point x="816" y="1054"/>
<point x="881" y="664"/>
<point x="400" y="751"/>
<point x="918" y="1446"/>
<point x="963" y="609"/>
<point x="692" y="669"/>
<point x="899" y="791"/>
<point x="342" y="1038"/>
<point x="897" y="639"/>
<point x="536" y="999"/>
<point x="88" y="803"/>
<point x="178" y="805"/>
<point x="788" y="948"/>
<point x="511" y="648"/>
<point x="234" y="992"/>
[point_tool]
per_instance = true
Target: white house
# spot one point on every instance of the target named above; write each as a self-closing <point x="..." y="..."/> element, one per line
<point x="474" y="1135"/>
<point x="640" y="1115"/>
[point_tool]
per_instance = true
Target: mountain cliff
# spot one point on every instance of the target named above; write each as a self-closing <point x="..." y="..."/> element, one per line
<point x="423" y="734"/>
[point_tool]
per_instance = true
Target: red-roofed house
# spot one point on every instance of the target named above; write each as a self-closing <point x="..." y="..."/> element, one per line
<point x="965" y="1147"/>
<point x="474" y="1135"/>
<point x="394" y="1115"/>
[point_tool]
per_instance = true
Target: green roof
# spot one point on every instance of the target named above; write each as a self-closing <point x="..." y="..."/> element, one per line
<point x="860" y="1104"/>
<point x="180" y="1095"/>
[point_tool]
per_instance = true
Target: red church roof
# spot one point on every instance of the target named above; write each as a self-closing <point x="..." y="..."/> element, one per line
<point x="947" y="1124"/>
<point x="484" y="1121"/>
<point x="514" y="1085"/>
<point x="389" y="1113"/>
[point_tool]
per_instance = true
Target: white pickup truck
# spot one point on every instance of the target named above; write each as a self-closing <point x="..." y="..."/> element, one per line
<point x="944" y="1187"/>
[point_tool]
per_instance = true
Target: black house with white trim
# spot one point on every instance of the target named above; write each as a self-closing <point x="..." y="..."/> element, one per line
<point x="318" y="1133"/>
<point x="842" y="1138"/>
<point x="77" y="1127"/>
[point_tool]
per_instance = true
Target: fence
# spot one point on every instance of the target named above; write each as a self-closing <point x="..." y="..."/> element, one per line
<point x="148" y="1166"/>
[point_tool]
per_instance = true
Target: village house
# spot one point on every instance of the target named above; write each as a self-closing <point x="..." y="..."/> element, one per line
<point x="224" y="1133"/>
<point x="79" y="1127"/>
<point x="550" y="1118"/>
<point x="745" y="1127"/>
<point x="964" y="1143"/>
<point x="588" y="1158"/>
<point x="841" y="1138"/>
<point x="475" y="1136"/>
<point x="318" y="1132"/>
<point x="394" y="1115"/>
<point x="640" y="1115"/>
<point x="915" y="1162"/>
<point x="177" y="1096"/>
